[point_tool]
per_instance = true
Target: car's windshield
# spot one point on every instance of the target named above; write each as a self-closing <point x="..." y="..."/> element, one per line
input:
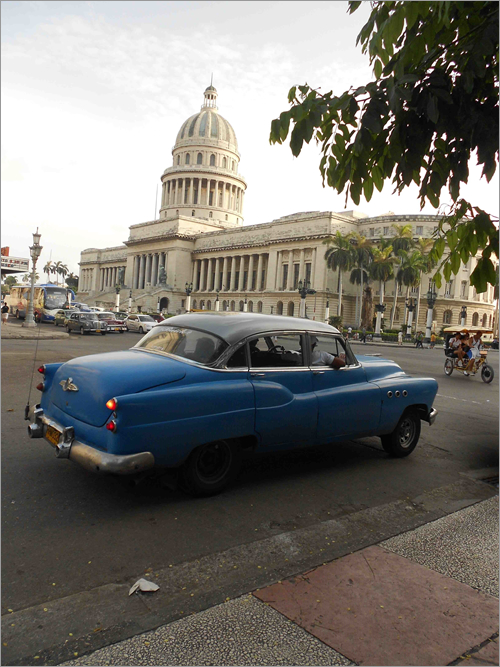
<point x="146" y="318"/>
<point x="87" y="316"/>
<point x="105" y="316"/>
<point x="198" y="346"/>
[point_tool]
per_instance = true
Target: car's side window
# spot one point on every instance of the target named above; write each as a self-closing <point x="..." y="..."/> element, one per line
<point x="281" y="350"/>
<point x="324" y="348"/>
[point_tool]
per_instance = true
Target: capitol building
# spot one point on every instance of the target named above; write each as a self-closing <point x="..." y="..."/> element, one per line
<point x="199" y="239"/>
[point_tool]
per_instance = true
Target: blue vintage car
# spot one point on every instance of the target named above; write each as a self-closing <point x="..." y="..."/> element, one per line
<point x="201" y="387"/>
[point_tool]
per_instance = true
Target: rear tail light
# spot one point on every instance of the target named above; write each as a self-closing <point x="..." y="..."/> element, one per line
<point x="41" y="386"/>
<point x="111" y="426"/>
<point x="41" y="369"/>
<point x="112" y="404"/>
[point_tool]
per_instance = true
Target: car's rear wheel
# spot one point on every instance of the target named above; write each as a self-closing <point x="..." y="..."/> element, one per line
<point x="449" y="366"/>
<point x="211" y="467"/>
<point x="55" y="322"/>
<point x="403" y="440"/>
<point x="68" y="329"/>
<point x="487" y="373"/>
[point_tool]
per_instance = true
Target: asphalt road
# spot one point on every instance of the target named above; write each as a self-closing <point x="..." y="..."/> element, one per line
<point x="65" y="530"/>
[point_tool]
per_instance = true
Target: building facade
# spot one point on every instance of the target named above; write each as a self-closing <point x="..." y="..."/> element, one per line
<point x="199" y="241"/>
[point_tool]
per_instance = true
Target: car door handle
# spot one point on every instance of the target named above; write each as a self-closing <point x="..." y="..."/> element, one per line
<point x="318" y="372"/>
<point x="257" y="375"/>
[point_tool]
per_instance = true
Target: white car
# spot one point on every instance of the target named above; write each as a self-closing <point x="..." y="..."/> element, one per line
<point x="140" y="323"/>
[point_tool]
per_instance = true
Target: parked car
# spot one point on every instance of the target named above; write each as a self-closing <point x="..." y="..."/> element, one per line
<point x="85" y="323"/>
<point x="113" y="323"/>
<point x="158" y="317"/>
<point x="120" y="315"/>
<point x="61" y="316"/>
<point x="82" y="307"/>
<point x="140" y="323"/>
<point x="201" y="387"/>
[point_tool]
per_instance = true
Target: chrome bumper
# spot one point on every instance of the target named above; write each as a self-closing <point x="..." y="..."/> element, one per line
<point x="88" y="457"/>
<point x="431" y="417"/>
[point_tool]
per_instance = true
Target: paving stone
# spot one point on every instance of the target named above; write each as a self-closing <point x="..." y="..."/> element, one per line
<point x="378" y="608"/>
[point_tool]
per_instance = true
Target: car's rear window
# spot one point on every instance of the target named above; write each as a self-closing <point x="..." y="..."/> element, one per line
<point x="146" y="318"/>
<point x="192" y="344"/>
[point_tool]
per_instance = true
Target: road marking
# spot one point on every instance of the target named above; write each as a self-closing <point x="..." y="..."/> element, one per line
<point x="464" y="400"/>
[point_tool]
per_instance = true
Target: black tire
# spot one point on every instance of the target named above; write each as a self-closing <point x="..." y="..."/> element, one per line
<point x="403" y="440"/>
<point x="141" y="330"/>
<point x="103" y="333"/>
<point x="449" y="365"/>
<point x="487" y="373"/>
<point x="18" y="317"/>
<point x="55" y="323"/>
<point x="68" y="329"/>
<point x="121" y="331"/>
<point x="211" y="467"/>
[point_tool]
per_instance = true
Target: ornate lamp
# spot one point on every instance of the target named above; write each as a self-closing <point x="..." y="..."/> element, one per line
<point x="35" y="251"/>
<point x="189" y="289"/>
<point x="431" y="300"/>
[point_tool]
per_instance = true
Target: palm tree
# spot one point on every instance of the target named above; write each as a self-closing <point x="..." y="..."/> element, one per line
<point x="424" y="247"/>
<point x="339" y="258"/>
<point x="382" y="269"/>
<point x="55" y="269"/>
<point x="62" y="270"/>
<point x="48" y="269"/>
<point x="401" y="242"/>
<point x="362" y="252"/>
<point x="410" y="270"/>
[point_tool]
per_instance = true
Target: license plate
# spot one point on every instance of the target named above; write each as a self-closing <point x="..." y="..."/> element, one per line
<point x="53" y="435"/>
<point x="116" y="329"/>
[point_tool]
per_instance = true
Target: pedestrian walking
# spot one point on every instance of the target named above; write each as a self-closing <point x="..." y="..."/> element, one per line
<point x="363" y="335"/>
<point x="400" y="338"/>
<point x="433" y="340"/>
<point x="349" y="332"/>
<point x="5" y="313"/>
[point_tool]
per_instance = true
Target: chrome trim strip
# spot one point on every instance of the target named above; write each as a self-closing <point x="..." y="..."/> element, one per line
<point x="432" y="416"/>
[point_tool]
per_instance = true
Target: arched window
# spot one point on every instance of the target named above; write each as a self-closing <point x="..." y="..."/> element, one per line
<point x="192" y="212"/>
<point x="212" y="160"/>
<point x="279" y="308"/>
<point x="209" y="305"/>
<point x="194" y="304"/>
<point x="475" y="319"/>
<point x="224" y="306"/>
<point x="177" y="212"/>
<point x="202" y="304"/>
<point x="259" y="306"/>
<point x="232" y="305"/>
<point x="241" y="306"/>
<point x="232" y="165"/>
<point x="291" y="308"/>
<point x="250" y="306"/>
<point x="447" y="317"/>
<point x="485" y="320"/>
<point x="188" y="158"/>
<point x="199" y="159"/>
<point x="178" y="159"/>
<point x="226" y="216"/>
<point x="490" y="320"/>
<point x="210" y="215"/>
<point x="224" y="163"/>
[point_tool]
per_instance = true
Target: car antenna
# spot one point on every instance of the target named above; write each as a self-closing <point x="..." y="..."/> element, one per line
<point x="27" y="408"/>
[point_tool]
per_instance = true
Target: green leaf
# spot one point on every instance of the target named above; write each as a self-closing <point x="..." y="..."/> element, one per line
<point x="368" y="188"/>
<point x="377" y="69"/>
<point x="432" y="109"/>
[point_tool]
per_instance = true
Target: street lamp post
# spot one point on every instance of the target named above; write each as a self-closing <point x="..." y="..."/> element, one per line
<point x="217" y="302"/>
<point x="304" y="289"/>
<point x="130" y="301"/>
<point x="35" y="251"/>
<point x="189" y="289"/>
<point x="463" y="316"/>
<point x="117" y="303"/>
<point x="380" y="309"/>
<point x="245" y="305"/>
<point x="327" y="308"/>
<point x="431" y="300"/>
<point x="410" y="305"/>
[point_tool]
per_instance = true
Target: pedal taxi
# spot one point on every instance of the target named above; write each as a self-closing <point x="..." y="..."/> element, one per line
<point x="480" y="364"/>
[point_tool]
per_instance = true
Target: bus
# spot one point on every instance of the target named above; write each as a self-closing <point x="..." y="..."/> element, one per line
<point x="49" y="298"/>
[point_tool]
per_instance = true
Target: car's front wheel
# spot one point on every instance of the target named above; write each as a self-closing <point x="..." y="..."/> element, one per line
<point x="403" y="440"/>
<point x="68" y="329"/>
<point x="211" y="467"/>
<point x="141" y="330"/>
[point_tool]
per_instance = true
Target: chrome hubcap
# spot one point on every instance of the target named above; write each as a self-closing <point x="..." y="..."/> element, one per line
<point x="406" y="433"/>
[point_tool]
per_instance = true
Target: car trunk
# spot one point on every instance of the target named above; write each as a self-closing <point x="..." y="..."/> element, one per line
<point x="100" y="377"/>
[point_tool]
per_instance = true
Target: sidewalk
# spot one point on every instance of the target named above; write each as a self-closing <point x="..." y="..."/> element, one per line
<point x="15" y="329"/>
<point x="428" y="596"/>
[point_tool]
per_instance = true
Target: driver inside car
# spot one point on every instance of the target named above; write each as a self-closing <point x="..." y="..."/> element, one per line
<point x="320" y="358"/>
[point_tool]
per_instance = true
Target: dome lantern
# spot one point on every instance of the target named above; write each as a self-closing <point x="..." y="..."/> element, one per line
<point x="210" y="95"/>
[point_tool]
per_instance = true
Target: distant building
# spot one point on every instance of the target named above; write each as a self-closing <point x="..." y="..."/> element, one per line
<point x="199" y="238"/>
<point x="11" y="265"/>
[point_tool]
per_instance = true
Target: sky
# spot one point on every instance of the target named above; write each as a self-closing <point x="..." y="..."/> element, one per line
<point x="93" y="95"/>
